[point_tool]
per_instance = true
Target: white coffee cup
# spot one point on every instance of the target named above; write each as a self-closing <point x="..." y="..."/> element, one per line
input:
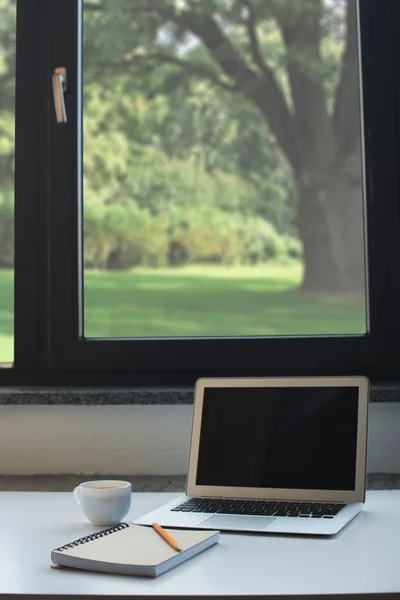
<point x="104" y="502"/>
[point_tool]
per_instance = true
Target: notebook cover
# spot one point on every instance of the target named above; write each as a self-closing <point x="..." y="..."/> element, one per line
<point x="133" y="550"/>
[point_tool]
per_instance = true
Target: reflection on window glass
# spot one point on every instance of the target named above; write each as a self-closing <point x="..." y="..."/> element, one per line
<point x="7" y="81"/>
<point x="222" y="168"/>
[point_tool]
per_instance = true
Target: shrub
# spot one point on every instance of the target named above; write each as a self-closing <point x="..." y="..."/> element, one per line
<point x="203" y="235"/>
<point x="123" y="236"/>
<point x="157" y="182"/>
<point x="96" y="245"/>
<point x="212" y="235"/>
<point x="138" y="238"/>
<point x="293" y="247"/>
<point x="261" y="242"/>
<point x="164" y="210"/>
<point x="6" y="229"/>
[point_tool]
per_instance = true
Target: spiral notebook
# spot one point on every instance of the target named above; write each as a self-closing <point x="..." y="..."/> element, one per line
<point x="132" y="550"/>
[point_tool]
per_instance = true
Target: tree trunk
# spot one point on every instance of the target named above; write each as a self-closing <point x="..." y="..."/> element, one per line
<point x="331" y="226"/>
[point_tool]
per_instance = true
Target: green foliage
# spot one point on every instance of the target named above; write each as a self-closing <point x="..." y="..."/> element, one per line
<point x="97" y="247"/>
<point x="176" y="168"/>
<point x="157" y="182"/>
<point x="7" y="55"/>
<point x="121" y="236"/>
<point x="6" y="228"/>
<point x="211" y="237"/>
<point x="261" y="241"/>
<point x="207" y="151"/>
<point x="293" y="248"/>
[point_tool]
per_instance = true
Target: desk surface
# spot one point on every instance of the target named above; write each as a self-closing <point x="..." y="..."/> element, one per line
<point x="364" y="558"/>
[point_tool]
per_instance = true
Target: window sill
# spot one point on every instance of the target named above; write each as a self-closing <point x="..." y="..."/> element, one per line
<point x="95" y="396"/>
<point x="124" y="397"/>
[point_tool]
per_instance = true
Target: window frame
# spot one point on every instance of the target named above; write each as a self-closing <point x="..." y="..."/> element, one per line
<point x="49" y="347"/>
<point x="30" y="252"/>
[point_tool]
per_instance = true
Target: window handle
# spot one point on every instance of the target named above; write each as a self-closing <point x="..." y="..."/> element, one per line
<point x="59" y="88"/>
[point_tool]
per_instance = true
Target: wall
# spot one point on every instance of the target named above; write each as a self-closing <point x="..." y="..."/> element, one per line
<point x="136" y="439"/>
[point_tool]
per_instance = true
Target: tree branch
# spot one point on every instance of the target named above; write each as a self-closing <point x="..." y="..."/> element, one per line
<point x="263" y="91"/>
<point x="301" y="32"/>
<point x="251" y="27"/>
<point x="193" y="68"/>
<point x="260" y="87"/>
<point x="346" y="117"/>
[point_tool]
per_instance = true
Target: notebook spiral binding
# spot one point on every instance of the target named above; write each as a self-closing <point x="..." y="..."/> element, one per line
<point x="93" y="536"/>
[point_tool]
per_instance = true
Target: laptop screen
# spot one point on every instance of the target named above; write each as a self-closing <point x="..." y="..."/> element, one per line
<point x="283" y="437"/>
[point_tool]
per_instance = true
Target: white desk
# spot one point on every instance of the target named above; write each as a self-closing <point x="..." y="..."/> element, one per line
<point x="363" y="559"/>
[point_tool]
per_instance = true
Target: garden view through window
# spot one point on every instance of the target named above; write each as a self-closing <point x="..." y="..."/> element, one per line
<point x="222" y="171"/>
<point x="7" y="103"/>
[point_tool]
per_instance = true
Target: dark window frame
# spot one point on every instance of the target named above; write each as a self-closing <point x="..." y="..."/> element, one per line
<point x="49" y="348"/>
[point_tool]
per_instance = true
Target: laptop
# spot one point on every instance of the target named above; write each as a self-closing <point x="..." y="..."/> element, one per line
<point x="274" y="456"/>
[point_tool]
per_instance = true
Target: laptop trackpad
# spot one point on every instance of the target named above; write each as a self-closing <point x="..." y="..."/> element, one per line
<point x="237" y="522"/>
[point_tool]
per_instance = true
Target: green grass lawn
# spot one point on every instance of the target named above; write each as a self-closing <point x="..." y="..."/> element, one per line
<point x="213" y="301"/>
<point x="6" y="315"/>
<point x="199" y="301"/>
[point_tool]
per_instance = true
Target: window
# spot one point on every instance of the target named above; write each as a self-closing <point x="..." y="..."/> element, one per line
<point x="233" y="207"/>
<point x="7" y="106"/>
<point x="222" y="170"/>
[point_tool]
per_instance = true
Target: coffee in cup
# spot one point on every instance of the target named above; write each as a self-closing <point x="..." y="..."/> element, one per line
<point x="104" y="502"/>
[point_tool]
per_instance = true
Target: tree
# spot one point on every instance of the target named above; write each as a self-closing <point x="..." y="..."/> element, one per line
<point x="316" y="125"/>
<point x="7" y="95"/>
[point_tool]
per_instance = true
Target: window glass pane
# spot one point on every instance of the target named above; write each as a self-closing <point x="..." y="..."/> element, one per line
<point x="7" y="81"/>
<point x="222" y="168"/>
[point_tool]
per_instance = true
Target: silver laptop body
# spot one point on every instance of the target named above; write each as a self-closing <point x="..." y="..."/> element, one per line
<point x="295" y="442"/>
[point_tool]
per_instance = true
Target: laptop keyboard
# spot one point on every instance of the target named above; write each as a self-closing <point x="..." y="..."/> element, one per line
<point x="270" y="508"/>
